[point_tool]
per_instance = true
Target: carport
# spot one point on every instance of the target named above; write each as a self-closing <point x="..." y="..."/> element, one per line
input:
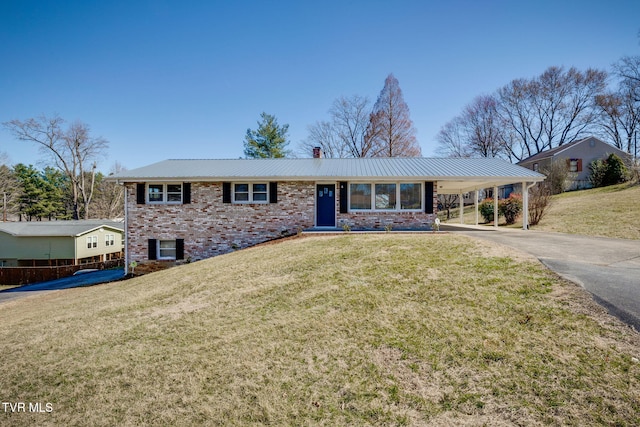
<point x="473" y="176"/>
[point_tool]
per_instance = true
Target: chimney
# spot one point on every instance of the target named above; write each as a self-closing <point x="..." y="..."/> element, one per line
<point x="317" y="152"/>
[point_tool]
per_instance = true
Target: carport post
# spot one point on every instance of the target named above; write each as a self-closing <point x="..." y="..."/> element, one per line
<point x="495" y="206"/>
<point x="525" y="206"/>
<point x="461" y="198"/>
<point x="475" y="204"/>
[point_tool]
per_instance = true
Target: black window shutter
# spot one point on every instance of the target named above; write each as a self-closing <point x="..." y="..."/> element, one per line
<point x="140" y="193"/>
<point x="153" y="254"/>
<point x="273" y="192"/>
<point x="186" y="193"/>
<point x="226" y="192"/>
<point x="179" y="248"/>
<point x="343" y="197"/>
<point x="428" y="197"/>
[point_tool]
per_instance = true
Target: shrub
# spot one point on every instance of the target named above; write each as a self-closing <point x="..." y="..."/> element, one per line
<point x="486" y="210"/>
<point x="539" y="201"/>
<point x="609" y="171"/>
<point x="510" y="208"/>
<point x="559" y="177"/>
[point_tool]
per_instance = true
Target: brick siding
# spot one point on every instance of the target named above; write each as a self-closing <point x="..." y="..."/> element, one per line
<point x="210" y="227"/>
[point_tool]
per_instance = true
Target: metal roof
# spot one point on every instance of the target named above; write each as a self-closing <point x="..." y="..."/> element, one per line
<point x="57" y="228"/>
<point x="440" y="169"/>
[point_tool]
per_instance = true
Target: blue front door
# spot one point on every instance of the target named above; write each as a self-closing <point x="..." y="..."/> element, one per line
<point x="326" y="205"/>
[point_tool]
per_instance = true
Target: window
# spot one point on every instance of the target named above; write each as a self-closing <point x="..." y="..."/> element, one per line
<point x="360" y="196"/>
<point x="109" y="239"/>
<point x="575" y="165"/>
<point x="410" y="196"/>
<point x="385" y="196"/>
<point x="164" y="193"/>
<point x="250" y="193"/>
<point x="92" y="242"/>
<point x="166" y="249"/>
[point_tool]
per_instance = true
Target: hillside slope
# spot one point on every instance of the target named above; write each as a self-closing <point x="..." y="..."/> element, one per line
<point x="608" y="212"/>
<point x="386" y="329"/>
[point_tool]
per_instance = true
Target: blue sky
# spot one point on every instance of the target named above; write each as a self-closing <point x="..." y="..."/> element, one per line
<point x="185" y="79"/>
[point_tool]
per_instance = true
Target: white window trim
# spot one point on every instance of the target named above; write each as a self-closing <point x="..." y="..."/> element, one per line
<point x="92" y="242"/>
<point x="158" y="249"/>
<point x="573" y="165"/>
<point x="165" y="193"/>
<point x="398" y="200"/>
<point x="250" y="201"/>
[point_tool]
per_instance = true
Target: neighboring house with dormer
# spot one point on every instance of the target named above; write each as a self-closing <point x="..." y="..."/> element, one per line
<point x="577" y="156"/>
<point x="180" y="210"/>
<point x="59" y="243"/>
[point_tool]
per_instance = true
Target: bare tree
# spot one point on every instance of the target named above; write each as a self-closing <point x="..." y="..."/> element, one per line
<point x="109" y="198"/>
<point x="9" y="188"/>
<point x="344" y="135"/>
<point x="477" y="132"/>
<point x="73" y="151"/>
<point x="350" y="117"/>
<point x="451" y="140"/>
<point x="549" y="111"/>
<point x="628" y="69"/>
<point x="323" y="135"/>
<point x="620" y="118"/>
<point x="391" y="132"/>
<point x="483" y="127"/>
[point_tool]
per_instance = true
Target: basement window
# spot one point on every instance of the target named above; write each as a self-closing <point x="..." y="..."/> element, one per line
<point x="166" y="249"/>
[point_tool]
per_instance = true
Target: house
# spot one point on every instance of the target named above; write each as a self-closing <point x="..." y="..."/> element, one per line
<point x="180" y="210"/>
<point x="57" y="243"/>
<point x="577" y="156"/>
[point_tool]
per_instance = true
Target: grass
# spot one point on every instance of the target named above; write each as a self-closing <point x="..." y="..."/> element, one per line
<point x="612" y="211"/>
<point x="386" y="329"/>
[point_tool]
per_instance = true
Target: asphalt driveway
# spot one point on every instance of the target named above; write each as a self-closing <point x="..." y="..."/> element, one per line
<point x="608" y="268"/>
<point x="86" y="279"/>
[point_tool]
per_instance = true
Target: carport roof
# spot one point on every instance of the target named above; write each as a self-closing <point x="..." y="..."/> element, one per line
<point x="453" y="174"/>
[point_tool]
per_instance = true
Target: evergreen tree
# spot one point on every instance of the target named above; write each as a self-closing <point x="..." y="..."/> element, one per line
<point x="268" y="141"/>
<point x="41" y="193"/>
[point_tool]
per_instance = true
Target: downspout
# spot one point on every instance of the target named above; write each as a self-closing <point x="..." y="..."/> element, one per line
<point x="525" y="202"/>
<point x="126" y="229"/>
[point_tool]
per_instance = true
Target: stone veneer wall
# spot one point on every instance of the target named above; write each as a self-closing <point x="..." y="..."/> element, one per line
<point x="210" y="227"/>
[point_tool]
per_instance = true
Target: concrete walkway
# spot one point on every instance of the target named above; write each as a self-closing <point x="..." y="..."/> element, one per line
<point x="608" y="268"/>
<point x="86" y="279"/>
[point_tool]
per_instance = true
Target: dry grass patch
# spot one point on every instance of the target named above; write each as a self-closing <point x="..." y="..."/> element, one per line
<point x="338" y="330"/>
<point x="612" y="211"/>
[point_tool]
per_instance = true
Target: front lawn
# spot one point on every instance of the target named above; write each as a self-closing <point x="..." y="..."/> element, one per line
<point x="384" y="329"/>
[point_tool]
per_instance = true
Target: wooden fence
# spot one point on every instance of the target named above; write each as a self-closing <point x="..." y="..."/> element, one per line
<point x="28" y="275"/>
